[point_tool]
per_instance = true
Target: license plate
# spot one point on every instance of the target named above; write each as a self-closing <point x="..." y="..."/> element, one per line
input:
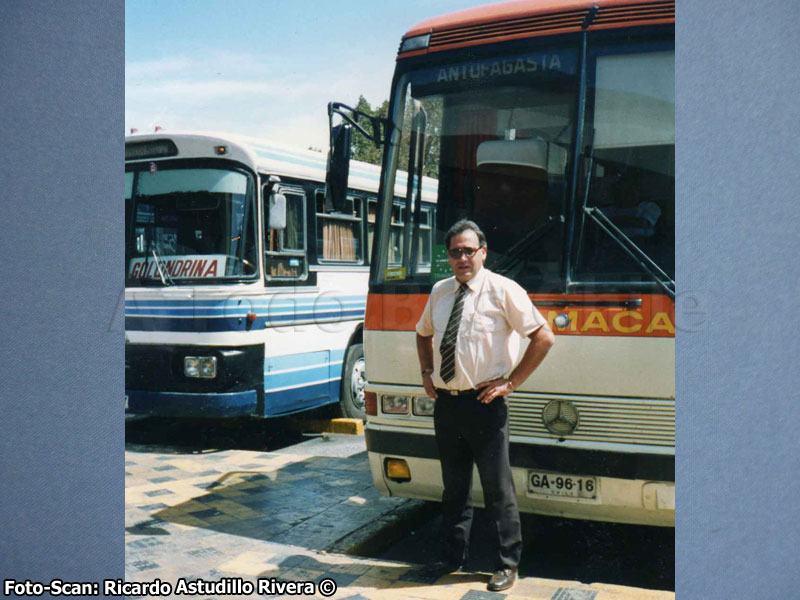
<point x="555" y="484"/>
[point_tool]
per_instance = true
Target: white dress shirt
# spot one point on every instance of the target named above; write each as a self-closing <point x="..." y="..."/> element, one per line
<point x="497" y="311"/>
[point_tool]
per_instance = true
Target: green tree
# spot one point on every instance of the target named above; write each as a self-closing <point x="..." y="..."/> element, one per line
<point x="433" y="132"/>
<point x="364" y="149"/>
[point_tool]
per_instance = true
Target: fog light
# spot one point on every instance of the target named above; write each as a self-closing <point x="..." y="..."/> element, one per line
<point x="423" y="407"/>
<point x="397" y="469"/>
<point x="394" y="405"/>
<point x="204" y="367"/>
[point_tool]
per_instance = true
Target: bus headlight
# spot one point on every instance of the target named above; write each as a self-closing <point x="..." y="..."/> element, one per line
<point x="423" y="407"/>
<point x="204" y="367"/>
<point x="191" y="366"/>
<point x="395" y="405"/>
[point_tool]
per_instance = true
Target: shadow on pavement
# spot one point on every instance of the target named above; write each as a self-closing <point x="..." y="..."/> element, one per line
<point x="562" y="549"/>
<point x="192" y="435"/>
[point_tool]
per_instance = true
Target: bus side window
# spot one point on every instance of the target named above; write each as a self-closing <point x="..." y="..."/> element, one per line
<point x="339" y="234"/>
<point x="396" y="232"/>
<point x="372" y="211"/>
<point x="425" y="237"/>
<point x="285" y="249"/>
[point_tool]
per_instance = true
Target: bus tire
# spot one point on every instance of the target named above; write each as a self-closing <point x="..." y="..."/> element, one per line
<point x="354" y="379"/>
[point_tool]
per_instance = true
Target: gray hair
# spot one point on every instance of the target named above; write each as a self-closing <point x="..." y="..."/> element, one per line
<point x="462" y="226"/>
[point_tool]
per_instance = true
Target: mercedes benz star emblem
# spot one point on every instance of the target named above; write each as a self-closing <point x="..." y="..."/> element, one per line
<point x="560" y="417"/>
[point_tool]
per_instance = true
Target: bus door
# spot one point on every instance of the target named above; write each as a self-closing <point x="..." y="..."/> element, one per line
<point x="296" y="376"/>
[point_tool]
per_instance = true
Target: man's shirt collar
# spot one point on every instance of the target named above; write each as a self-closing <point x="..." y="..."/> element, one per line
<point x="473" y="284"/>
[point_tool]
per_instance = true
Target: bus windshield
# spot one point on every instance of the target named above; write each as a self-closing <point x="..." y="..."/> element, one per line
<point x="499" y="135"/>
<point x="185" y="225"/>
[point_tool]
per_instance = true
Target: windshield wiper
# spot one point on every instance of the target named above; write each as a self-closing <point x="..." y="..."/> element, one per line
<point x="516" y="252"/>
<point x="636" y="253"/>
<point x="639" y="256"/>
<point x="166" y="279"/>
<point x="586" y="184"/>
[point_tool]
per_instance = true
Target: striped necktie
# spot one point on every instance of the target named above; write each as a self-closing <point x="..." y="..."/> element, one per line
<point x="448" y="346"/>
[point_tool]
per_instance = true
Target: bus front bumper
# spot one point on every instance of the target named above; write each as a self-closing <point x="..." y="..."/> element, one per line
<point x="181" y="404"/>
<point x="630" y="488"/>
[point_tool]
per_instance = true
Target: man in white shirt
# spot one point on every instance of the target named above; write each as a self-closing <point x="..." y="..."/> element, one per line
<point x="467" y="343"/>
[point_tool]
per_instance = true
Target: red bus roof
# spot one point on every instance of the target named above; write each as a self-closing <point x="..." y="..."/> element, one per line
<point x="528" y="18"/>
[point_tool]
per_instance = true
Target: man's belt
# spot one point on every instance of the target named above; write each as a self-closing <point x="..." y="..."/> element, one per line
<point x="457" y="393"/>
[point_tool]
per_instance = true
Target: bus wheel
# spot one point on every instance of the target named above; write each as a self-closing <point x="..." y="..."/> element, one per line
<point x="354" y="379"/>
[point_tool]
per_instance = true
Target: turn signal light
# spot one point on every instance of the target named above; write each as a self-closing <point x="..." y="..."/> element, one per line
<point x="397" y="469"/>
<point x="371" y="403"/>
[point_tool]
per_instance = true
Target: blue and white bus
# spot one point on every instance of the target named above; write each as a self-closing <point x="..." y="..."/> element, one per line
<point x="245" y="291"/>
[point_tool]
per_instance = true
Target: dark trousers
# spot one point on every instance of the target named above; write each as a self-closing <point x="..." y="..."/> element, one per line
<point x="466" y="432"/>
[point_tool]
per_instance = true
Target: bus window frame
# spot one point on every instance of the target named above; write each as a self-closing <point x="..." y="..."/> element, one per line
<point x="568" y="42"/>
<point x="608" y="43"/>
<point x="292" y="190"/>
<point x="358" y="200"/>
<point x="139" y="166"/>
<point x="603" y="42"/>
<point x="368" y="198"/>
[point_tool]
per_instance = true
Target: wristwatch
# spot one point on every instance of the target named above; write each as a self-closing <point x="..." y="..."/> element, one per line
<point x="427" y="371"/>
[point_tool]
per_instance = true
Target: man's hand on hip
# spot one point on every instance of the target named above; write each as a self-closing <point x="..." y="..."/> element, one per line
<point x="494" y="388"/>
<point x="427" y="381"/>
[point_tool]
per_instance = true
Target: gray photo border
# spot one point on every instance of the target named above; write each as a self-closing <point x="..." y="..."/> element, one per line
<point x="737" y="351"/>
<point x="61" y="179"/>
<point x="62" y="430"/>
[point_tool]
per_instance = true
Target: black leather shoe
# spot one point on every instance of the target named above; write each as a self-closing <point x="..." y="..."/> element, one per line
<point x="502" y="580"/>
<point x="441" y="568"/>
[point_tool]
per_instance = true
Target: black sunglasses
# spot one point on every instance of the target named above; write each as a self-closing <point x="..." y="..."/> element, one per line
<point x="457" y="252"/>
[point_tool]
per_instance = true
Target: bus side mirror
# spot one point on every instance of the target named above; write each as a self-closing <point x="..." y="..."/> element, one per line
<point x="277" y="211"/>
<point x="338" y="167"/>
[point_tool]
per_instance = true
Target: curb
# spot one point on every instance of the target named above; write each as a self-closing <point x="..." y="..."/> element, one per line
<point x="346" y="426"/>
<point x="377" y="536"/>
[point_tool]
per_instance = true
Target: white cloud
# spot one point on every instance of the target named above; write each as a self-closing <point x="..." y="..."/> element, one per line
<point x="299" y="130"/>
<point x="197" y="91"/>
<point x="245" y="94"/>
<point x="154" y="68"/>
<point x="229" y="65"/>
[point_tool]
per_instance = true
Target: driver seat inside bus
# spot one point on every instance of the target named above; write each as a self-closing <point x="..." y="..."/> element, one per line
<point x="516" y="183"/>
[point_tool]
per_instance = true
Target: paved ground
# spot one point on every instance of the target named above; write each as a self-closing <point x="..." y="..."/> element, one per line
<point x="289" y="515"/>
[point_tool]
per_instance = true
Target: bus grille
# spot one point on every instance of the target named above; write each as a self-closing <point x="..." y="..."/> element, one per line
<point x="560" y="22"/>
<point x="611" y="420"/>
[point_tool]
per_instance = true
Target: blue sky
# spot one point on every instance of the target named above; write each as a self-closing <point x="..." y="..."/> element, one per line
<point x="266" y="68"/>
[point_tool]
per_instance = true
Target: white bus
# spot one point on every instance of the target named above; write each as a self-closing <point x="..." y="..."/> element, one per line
<point x="552" y="126"/>
<point x="245" y="291"/>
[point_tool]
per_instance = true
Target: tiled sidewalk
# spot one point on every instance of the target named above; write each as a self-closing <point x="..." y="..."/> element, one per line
<point x="272" y="515"/>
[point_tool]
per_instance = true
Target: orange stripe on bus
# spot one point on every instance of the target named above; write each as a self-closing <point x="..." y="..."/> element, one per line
<point x="654" y="318"/>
